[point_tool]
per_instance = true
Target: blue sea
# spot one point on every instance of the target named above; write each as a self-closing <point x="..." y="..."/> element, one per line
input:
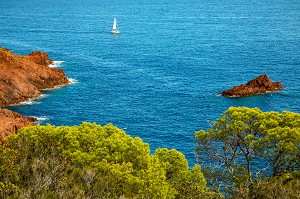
<point x="159" y="78"/>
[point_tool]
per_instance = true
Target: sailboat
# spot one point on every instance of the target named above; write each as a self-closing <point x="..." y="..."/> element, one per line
<point x="115" y="29"/>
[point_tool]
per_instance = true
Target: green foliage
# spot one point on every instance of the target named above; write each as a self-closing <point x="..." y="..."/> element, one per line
<point x="241" y="138"/>
<point x="281" y="187"/>
<point x="174" y="162"/>
<point x="276" y="187"/>
<point x="188" y="183"/>
<point x="92" y="161"/>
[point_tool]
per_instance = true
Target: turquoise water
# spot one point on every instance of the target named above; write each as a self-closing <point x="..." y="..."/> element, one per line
<point x="159" y="78"/>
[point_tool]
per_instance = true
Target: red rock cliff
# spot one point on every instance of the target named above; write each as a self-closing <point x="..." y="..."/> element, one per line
<point x="259" y="85"/>
<point x="21" y="77"/>
<point x="10" y="122"/>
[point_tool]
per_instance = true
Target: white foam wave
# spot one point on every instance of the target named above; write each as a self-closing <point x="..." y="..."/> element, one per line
<point x="56" y="64"/>
<point x="31" y="101"/>
<point x="42" y="96"/>
<point x="40" y="118"/>
<point x="28" y="102"/>
<point x="73" y="81"/>
<point x="54" y="88"/>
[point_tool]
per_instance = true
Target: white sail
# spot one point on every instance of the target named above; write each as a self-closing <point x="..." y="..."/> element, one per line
<point x="115" y="29"/>
<point x="115" y="24"/>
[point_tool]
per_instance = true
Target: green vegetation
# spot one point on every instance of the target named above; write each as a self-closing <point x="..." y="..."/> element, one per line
<point x="93" y="161"/>
<point x="252" y="154"/>
<point x="246" y="154"/>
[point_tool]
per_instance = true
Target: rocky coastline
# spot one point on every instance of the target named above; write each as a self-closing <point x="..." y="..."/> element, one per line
<point x="21" y="79"/>
<point x="11" y="121"/>
<point x="260" y="85"/>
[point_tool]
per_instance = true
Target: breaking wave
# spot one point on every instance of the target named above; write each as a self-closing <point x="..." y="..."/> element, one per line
<point x="56" y="64"/>
<point x="73" y="81"/>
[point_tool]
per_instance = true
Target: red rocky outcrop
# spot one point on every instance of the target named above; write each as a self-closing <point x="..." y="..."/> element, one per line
<point x="259" y="85"/>
<point x="21" y="78"/>
<point x="11" y="122"/>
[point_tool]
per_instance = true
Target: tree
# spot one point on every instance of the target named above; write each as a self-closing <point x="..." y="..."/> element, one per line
<point x="189" y="183"/>
<point x="91" y="161"/>
<point x="246" y="143"/>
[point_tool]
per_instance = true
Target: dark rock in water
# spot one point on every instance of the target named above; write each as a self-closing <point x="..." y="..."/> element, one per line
<point x="260" y="85"/>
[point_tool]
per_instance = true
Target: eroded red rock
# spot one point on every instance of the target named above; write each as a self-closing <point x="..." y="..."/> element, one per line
<point x="260" y="85"/>
<point x="21" y="79"/>
<point x="11" y="122"/>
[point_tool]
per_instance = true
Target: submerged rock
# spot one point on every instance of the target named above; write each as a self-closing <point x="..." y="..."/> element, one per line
<point x="260" y="85"/>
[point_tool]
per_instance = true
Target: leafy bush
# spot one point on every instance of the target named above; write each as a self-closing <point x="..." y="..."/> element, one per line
<point x="93" y="161"/>
<point x="245" y="145"/>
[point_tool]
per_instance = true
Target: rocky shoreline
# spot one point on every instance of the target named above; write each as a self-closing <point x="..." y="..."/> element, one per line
<point x="260" y="85"/>
<point x="11" y="121"/>
<point x="21" y="79"/>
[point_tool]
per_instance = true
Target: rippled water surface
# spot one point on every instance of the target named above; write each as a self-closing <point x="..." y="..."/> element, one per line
<point x="159" y="78"/>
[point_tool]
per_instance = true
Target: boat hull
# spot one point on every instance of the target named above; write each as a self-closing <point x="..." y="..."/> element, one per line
<point x="115" y="32"/>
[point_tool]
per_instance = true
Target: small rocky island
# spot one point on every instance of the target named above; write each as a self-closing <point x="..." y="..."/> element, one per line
<point x="21" y="79"/>
<point x="260" y="85"/>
